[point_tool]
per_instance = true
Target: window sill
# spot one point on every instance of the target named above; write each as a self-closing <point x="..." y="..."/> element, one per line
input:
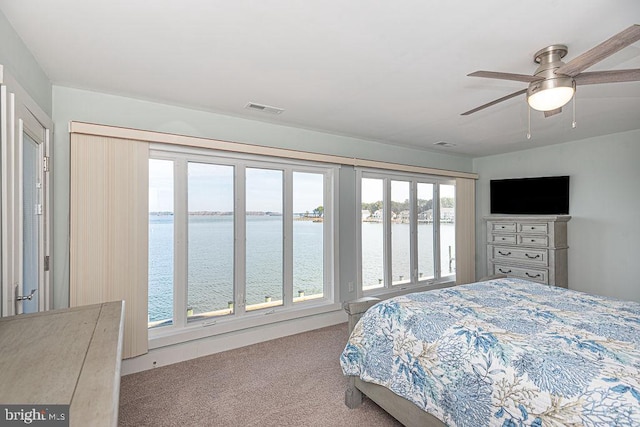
<point x="171" y="335"/>
<point x="386" y="293"/>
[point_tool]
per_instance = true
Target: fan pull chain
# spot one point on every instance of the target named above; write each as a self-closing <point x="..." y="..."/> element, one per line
<point x="573" y="124"/>
<point x="529" y="122"/>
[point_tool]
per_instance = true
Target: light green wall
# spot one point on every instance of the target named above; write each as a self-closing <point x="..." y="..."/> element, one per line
<point x="20" y="63"/>
<point x="604" y="232"/>
<point x="81" y="105"/>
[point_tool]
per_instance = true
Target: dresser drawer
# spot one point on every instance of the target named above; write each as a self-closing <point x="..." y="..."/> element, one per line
<point x="504" y="226"/>
<point x="533" y="240"/>
<point x="530" y="256"/>
<point x="533" y="227"/>
<point x="504" y="238"/>
<point x="533" y="274"/>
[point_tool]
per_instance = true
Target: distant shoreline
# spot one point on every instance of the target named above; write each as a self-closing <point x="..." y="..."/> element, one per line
<point x="296" y="216"/>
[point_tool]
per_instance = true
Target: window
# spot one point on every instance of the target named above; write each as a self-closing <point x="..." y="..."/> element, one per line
<point x="407" y="230"/>
<point x="236" y="236"/>
<point x="425" y="228"/>
<point x="447" y="230"/>
<point x="400" y="233"/>
<point x="372" y="235"/>
<point x="308" y="242"/>
<point x="210" y="236"/>
<point x="161" y="233"/>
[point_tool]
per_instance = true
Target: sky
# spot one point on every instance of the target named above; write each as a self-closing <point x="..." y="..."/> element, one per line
<point x="371" y="190"/>
<point x="211" y="188"/>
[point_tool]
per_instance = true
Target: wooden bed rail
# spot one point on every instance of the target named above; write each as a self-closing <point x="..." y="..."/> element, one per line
<point x="356" y="308"/>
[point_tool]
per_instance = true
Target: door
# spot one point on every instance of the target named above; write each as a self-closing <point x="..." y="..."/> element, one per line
<point x="30" y="287"/>
<point x="24" y="215"/>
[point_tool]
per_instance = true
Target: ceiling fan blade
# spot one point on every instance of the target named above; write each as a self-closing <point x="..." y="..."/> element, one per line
<point x="613" y="76"/>
<point x="505" y="76"/>
<point x="504" y="98"/>
<point x="600" y="52"/>
<point x="552" y="112"/>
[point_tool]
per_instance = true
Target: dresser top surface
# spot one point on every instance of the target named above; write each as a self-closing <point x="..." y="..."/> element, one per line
<point x="66" y="357"/>
<point x="540" y="218"/>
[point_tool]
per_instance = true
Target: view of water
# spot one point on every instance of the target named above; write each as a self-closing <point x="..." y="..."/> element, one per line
<point x="210" y="263"/>
<point x="372" y="252"/>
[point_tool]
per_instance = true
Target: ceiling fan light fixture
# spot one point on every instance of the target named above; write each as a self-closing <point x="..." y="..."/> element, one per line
<point x="551" y="94"/>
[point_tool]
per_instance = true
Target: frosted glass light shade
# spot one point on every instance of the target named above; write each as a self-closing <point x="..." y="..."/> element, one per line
<point x="550" y="94"/>
<point x="550" y="99"/>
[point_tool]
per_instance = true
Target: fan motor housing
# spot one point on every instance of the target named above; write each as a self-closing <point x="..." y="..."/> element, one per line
<point x="549" y="58"/>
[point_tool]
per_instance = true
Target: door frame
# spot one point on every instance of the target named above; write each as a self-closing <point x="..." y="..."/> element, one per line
<point x="20" y="114"/>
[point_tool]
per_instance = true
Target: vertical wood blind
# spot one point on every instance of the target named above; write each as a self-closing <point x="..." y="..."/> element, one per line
<point x="109" y="230"/>
<point x="465" y="230"/>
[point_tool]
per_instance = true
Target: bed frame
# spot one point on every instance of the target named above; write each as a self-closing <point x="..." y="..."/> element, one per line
<point x="398" y="407"/>
<point x="403" y="410"/>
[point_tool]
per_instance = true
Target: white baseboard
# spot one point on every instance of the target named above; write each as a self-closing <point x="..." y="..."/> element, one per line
<point x="215" y="344"/>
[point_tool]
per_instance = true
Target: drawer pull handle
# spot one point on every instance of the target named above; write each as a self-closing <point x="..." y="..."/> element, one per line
<point x="503" y="271"/>
<point x="532" y="257"/>
<point x="532" y="276"/>
<point x="504" y="253"/>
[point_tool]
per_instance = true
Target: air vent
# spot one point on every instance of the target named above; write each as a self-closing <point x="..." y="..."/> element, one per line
<point x="263" y="108"/>
<point x="444" y="144"/>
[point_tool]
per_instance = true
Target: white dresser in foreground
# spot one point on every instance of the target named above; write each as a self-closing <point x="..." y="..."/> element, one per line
<point x="532" y="247"/>
<point x="64" y="357"/>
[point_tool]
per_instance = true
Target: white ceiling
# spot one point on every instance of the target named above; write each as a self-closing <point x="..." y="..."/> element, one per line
<point x="390" y="71"/>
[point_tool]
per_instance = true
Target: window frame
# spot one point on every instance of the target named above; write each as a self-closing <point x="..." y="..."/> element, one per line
<point x="183" y="330"/>
<point x="439" y="279"/>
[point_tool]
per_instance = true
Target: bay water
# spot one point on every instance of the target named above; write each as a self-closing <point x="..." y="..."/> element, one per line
<point x="210" y="263"/>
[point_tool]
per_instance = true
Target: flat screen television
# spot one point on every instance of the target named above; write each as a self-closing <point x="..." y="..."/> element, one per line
<point x="547" y="195"/>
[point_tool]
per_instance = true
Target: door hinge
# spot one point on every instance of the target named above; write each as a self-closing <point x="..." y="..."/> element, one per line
<point x="46" y="263"/>
<point x="38" y="209"/>
<point x="45" y="163"/>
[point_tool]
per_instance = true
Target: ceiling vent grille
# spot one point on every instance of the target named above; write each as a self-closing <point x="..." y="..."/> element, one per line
<point x="263" y="108"/>
<point x="444" y="144"/>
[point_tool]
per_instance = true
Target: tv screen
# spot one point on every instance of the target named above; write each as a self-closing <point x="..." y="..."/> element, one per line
<point x="536" y="196"/>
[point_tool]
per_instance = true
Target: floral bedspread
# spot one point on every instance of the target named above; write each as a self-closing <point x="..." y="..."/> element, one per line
<point x="506" y="352"/>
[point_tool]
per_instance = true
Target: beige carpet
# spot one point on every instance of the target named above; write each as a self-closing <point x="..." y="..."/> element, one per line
<point x="291" y="381"/>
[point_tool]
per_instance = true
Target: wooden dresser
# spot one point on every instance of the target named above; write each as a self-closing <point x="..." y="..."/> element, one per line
<point x="65" y="357"/>
<point x="530" y="247"/>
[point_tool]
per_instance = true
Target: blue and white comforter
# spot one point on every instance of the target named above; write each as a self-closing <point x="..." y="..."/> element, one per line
<point x="505" y="353"/>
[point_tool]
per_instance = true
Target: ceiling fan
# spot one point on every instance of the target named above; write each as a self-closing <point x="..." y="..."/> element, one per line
<point x="553" y="83"/>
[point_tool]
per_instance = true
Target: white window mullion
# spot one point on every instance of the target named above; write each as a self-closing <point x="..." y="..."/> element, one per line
<point x="181" y="246"/>
<point x="328" y="238"/>
<point x="388" y="279"/>
<point x="359" y="263"/>
<point x="436" y="232"/>
<point x="288" y="238"/>
<point x="240" y="240"/>
<point x="413" y="227"/>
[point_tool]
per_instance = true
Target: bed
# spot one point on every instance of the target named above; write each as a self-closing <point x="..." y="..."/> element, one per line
<point x="504" y="352"/>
